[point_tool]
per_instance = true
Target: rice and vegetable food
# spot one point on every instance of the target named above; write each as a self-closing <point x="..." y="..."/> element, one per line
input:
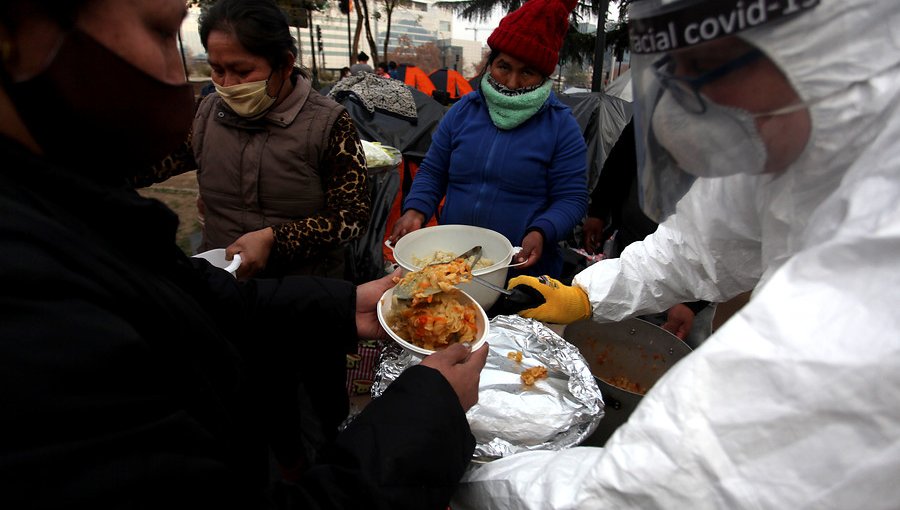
<point x="435" y="322"/>
<point x="422" y="284"/>
<point x="530" y="375"/>
<point x="447" y="256"/>
<point x="622" y="382"/>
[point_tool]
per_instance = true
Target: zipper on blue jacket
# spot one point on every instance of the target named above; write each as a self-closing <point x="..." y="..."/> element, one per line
<point x="487" y="162"/>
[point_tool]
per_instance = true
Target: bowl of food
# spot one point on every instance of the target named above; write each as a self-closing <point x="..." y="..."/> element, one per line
<point x="444" y="242"/>
<point x="429" y="325"/>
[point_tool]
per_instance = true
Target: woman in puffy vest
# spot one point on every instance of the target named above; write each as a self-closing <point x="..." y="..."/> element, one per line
<point x="281" y="170"/>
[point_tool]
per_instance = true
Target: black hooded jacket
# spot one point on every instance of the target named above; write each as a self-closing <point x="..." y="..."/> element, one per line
<point x="132" y="376"/>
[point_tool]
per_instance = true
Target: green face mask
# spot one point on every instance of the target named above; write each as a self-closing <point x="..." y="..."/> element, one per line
<point x="508" y="112"/>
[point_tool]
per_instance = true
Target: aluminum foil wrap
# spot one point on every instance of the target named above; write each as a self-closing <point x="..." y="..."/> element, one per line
<point x="555" y="413"/>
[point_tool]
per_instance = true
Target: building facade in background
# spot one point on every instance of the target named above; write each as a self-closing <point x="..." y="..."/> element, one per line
<point x="414" y="23"/>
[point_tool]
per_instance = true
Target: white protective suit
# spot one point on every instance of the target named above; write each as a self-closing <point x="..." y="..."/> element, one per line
<point x="795" y="401"/>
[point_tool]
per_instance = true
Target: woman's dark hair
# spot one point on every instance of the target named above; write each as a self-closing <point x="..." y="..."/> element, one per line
<point x="490" y="60"/>
<point x="259" y="25"/>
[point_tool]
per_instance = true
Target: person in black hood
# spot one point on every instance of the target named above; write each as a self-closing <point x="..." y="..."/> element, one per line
<point x="132" y="375"/>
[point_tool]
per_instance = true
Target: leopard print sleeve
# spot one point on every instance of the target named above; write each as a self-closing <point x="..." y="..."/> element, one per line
<point x="347" y="203"/>
<point x="176" y="163"/>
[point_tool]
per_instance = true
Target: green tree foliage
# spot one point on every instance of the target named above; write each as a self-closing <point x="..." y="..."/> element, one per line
<point x="362" y="7"/>
<point x="389" y="6"/>
<point x="617" y="32"/>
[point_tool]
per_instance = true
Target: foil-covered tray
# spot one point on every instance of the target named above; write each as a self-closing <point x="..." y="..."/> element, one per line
<point x="553" y="414"/>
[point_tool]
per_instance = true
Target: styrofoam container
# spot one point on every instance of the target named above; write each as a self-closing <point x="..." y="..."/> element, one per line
<point x="385" y="304"/>
<point x="423" y="243"/>
<point x="217" y="258"/>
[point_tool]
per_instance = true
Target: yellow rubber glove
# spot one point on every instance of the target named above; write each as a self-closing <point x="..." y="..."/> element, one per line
<point x="563" y="304"/>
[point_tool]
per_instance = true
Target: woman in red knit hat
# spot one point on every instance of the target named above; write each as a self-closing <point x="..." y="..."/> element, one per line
<point x="510" y="156"/>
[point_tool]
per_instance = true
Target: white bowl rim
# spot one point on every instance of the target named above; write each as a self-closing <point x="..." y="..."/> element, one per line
<point x="500" y="264"/>
<point x="232" y="266"/>
<point x="420" y="350"/>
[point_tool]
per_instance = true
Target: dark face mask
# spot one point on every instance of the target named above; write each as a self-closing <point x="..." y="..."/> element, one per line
<point x="94" y="111"/>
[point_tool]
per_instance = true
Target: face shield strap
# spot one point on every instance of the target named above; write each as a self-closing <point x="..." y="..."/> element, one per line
<point x="654" y="28"/>
<point x="803" y="105"/>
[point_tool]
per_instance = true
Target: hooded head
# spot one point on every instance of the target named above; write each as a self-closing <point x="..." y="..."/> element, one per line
<point x="534" y="33"/>
<point x="831" y="93"/>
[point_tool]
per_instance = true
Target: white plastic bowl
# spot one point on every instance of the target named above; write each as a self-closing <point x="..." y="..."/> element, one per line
<point x="385" y="304"/>
<point x="423" y="243"/>
<point x="217" y="258"/>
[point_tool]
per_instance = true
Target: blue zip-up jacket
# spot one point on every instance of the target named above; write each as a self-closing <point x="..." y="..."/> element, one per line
<point x="511" y="181"/>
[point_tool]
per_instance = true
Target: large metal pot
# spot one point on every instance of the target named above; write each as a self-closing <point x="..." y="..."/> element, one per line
<point x="634" y="350"/>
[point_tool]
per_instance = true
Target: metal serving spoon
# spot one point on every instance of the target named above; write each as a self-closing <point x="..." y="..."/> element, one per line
<point x="407" y="288"/>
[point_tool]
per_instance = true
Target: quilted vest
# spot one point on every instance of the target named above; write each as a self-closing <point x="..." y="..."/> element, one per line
<point x="260" y="173"/>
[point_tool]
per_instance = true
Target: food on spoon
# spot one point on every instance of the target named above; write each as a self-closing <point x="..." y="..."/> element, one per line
<point x="447" y="256"/>
<point x="436" y="322"/>
<point x="436" y="277"/>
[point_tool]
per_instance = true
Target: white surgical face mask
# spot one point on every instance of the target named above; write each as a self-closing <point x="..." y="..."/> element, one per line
<point x="250" y="100"/>
<point x="720" y="141"/>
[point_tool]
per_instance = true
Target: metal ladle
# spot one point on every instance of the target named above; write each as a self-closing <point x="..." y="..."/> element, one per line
<point x="407" y="289"/>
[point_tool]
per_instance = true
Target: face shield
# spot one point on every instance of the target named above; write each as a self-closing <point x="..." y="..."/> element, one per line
<point x="708" y="103"/>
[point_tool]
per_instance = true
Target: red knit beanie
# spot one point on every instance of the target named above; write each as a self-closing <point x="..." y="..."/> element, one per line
<point x="534" y="33"/>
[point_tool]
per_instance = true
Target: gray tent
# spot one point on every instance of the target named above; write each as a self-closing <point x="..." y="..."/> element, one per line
<point x="621" y="87"/>
<point x="601" y="118"/>
<point x="393" y="114"/>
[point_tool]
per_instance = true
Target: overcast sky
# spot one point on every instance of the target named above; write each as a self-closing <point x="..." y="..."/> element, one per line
<point x="484" y="28"/>
<point x="189" y="35"/>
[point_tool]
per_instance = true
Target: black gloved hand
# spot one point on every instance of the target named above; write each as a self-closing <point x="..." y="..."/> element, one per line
<point x="523" y="297"/>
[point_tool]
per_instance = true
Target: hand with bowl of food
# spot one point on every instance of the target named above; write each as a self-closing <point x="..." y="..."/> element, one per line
<point x="429" y="325"/>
